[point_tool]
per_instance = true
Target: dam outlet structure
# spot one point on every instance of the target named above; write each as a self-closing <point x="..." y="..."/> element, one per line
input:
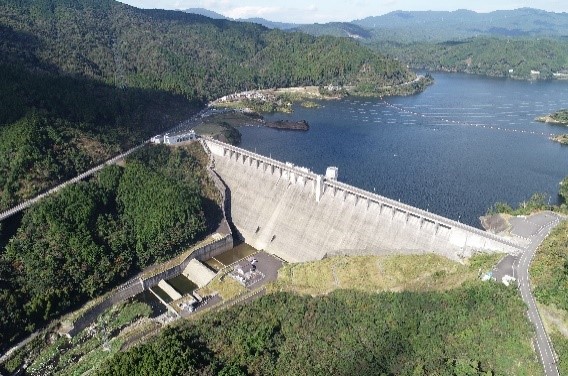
<point x="302" y="216"/>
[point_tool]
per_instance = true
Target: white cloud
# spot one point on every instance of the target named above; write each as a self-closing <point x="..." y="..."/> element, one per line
<point x="252" y="11"/>
<point x="214" y="4"/>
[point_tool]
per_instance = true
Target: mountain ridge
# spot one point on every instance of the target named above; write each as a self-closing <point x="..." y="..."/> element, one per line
<point x="425" y="25"/>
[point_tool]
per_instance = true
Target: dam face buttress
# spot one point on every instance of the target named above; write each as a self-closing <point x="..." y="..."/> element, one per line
<point x="302" y="216"/>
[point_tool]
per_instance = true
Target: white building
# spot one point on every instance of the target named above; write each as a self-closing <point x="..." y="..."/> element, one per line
<point x="332" y="173"/>
<point x="174" y="138"/>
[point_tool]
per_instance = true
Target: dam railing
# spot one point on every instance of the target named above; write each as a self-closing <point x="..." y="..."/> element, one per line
<point x="296" y="170"/>
<point x="373" y="197"/>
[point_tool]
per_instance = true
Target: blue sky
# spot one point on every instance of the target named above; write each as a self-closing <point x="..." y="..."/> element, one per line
<point x="311" y="11"/>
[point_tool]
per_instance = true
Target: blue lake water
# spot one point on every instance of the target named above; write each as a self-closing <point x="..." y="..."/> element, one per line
<point x="435" y="150"/>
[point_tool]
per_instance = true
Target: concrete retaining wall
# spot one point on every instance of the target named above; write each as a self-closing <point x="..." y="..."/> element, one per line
<point x="198" y="273"/>
<point x="301" y="216"/>
<point x="169" y="289"/>
<point x="136" y="285"/>
<point x="204" y="253"/>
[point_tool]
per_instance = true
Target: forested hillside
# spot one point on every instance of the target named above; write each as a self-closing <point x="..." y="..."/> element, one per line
<point x="77" y="244"/>
<point x="475" y="330"/>
<point x="81" y="80"/>
<point x="440" y="26"/>
<point x="54" y="127"/>
<point x="549" y="273"/>
<point x="491" y="44"/>
<point x="179" y="52"/>
<point x="498" y="57"/>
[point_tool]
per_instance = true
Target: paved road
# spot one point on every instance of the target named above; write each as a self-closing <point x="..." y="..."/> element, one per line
<point x="543" y="346"/>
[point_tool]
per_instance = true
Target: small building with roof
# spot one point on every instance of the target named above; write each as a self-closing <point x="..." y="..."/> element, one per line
<point x="174" y="138"/>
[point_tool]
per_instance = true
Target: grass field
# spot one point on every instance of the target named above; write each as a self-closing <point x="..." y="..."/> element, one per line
<point x="380" y="273"/>
<point x="224" y="285"/>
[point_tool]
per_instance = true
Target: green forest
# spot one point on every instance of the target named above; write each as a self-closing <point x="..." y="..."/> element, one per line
<point x="92" y="235"/>
<point x="549" y="277"/>
<point x="489" y="56"/>
<point x="178" y="52"/>
<point x="82" y="80"/>
<point x="52" y="127"/>
<point x="478" y="329"/>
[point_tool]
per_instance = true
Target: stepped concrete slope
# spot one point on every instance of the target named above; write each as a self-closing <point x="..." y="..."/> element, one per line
<point x="302" y="216"/>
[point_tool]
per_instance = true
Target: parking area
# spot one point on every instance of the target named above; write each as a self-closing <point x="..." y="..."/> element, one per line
<point x="257" y="270"/>
<point x="526" y="227"/>
<point x="504" y="270"/>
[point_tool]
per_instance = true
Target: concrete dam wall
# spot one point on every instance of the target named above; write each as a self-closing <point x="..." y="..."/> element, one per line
<point x="302" y="216"/>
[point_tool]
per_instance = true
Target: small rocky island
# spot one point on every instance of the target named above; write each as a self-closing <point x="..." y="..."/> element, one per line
<point x="562" y="138"/>
<point x="301" y="125"/>
<point x="558" y="117"/>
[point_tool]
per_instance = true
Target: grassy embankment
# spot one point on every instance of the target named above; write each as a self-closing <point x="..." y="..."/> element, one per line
<point x="380" y="273"/>
<point x="549" y="276"/>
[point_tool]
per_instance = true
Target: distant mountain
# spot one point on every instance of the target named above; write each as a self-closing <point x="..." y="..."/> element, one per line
<point x="270" y="24"/>
<point x="435" y="26"/>
<point x="336" y="29"/>
<point x="206" y="13"/>
<point x="459" y="24"/>
<point x="257" y="20"/>
<point x="517" y="58"/>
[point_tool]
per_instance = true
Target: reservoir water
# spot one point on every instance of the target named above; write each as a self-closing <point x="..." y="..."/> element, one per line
<point x="462" y="145"/>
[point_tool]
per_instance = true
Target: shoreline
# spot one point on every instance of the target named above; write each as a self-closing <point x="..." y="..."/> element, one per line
<point x="550" y="119"/>
<point x="555" y="76"/>
<point x="281" y="99"/>
<point x="221" y="117"/>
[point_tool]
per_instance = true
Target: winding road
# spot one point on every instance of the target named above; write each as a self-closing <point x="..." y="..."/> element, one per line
<point x="543" y="346"/>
